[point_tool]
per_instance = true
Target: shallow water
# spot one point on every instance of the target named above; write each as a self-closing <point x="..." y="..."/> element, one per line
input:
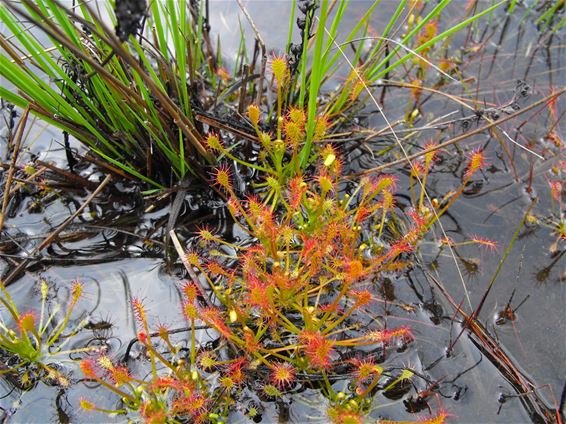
<point x="117" y="266"/>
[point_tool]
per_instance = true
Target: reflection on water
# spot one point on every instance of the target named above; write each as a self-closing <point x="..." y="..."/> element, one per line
<point x="117" y="264"/>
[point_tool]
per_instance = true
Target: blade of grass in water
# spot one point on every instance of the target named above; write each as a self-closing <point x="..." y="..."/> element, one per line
<point x="504" y="258"/>
<point x="433" y="14"/>
<point x="291" y="25"/>
<point x="375" y="74"/>
<point x="314" y="84"/>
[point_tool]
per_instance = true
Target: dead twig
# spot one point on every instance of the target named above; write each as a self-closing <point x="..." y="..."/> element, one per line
<point x="12" y="169"/>
<point x="219" y="124"/>
<point x="49" y="239"/>
<point x="263" y="51"/>
<point x="458" y="138"/>
<point x="82" y="182"/>
<point x="497" y="355"/>
<point x="29" y="180"/>
<point x="188" y="267"/>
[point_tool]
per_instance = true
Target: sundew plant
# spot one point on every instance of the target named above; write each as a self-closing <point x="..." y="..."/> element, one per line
<point x="306" y="217"/>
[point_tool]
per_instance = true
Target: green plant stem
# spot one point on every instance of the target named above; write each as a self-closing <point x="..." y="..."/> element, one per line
<point x="504" y="257"/>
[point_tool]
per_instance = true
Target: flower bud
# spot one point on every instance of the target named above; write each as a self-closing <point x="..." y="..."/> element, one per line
<point x="253" y="114"/>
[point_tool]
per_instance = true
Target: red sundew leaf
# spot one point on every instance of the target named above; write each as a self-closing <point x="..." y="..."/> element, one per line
<point x="27" y="322"/>
<point x="446" y="241"/>
<point x="318" y="349"/>
<point x="555" y="190"/>
<point x="329" y="307"/>
<point x="253" y="114"/>
<point x="397" y="266"/>
<point x="213" y="142"/>
<point x="354" y="270"/>
<point x="282" y="375"/>
<point x="151" y="415"/>
<point x="310" y="244"/>
<point x="278" y="67"/>
<point x="248" y="264"/>
<point x="251" y="344"/>
<point x="293" y="133"/>
<point x="235" y="370"/>
<point x="76" y="291"/>
<point x="324" y="182"/>
<point x="418" y="168"/>
<point x="163" y="331"/>
<point x="139" y="310"/>
<point x="190" y="311"/>
<point x="428" y="32"/>
<point x="253" y="204"/>
<point x="430" y="156"/>
<point x="489" y="244"/>
<point x="340" y="415"/>
<point x="207" y="360"/>
<point x="205" y="233"/>
<point x="365" y="371"/>
<point x="297" y="189"/>
<point x="223" y="74"/>
<point x="296" y="115"/>
<point x="363" y="297"/>
<point x="213" y="317"/>
<point x="399" y="247"/>
<point x="418" y="219"/>
<point x="86" y="404"/>
<point x="88" y="367"/>
<point x="234" y="207"/>
<point x="120" y="375"/>
<point x="282" y="280"/>
<point x="193" y="404"/>
<point x="192" y="258"/>
<point x="385" y="182"/>
<point x="388" y="199"/>
<point x="440" y="418"/>
<point x="222" y="177"/>
<point x="476" y="161"/>
<point x="216" y="269"/>
<point x="257" y="293"/>
<point x="170" y="382"/>
<point x="361" y="214"/>
<point x="266" y="217"/>
<point x="384" y="336"/>
<point x="190" y="290"/>
<point x="320" y="128"/>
